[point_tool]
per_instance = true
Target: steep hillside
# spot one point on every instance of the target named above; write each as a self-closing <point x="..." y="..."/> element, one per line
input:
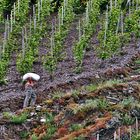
<point x="88" y="57"/>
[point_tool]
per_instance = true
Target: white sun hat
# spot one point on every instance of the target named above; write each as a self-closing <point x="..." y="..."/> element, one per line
<point x="34" y="76"/>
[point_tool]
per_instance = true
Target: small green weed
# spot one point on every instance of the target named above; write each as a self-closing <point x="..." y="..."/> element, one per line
<point x="75" y="127"/>
<point x="127" y="120"/>
<point x="136" y="136"/>
<point x="7" y="115"/>
<point x="102" y="104"/>
<point x="128" y="103"/>
<point x="19" y="119"/>
<point x="24" y="134"/>
<point x="34" y="137"/>
<point x="91" y="88"/>
<point x="137" y="61"/>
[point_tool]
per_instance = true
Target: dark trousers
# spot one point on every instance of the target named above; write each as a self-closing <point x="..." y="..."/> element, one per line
<point x="30" y="98"/>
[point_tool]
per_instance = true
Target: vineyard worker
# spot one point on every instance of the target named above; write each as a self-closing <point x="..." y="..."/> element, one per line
<point x="30" y="80"/>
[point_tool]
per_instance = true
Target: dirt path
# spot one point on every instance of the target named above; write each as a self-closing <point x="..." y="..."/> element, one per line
<point x="66" y="67"/>
<point x="90" y="55"/>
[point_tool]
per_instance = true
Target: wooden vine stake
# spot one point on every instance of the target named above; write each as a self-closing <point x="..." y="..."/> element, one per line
<point x="40" y="4"/>
<point x="34" y="18"/>
<point x="5" y="33"/>
<point x="91" y="2"/>
<point x="0" y="52"/>
<point x="119" y="133"/>
<point x="87" y="12"/>
<point x="39" y="8"/>
<point x="8" y="27"/>
<point x="110" y="5"/>
<point x="14" y="13"/>
<point x="11" y="21"/>
<point x="115" y="3"/>
<point x="79" y="30"/>
<point x="136" y="4"/>
<point x="62" y="22"/>
<point x="83" y="21"/>
<point x="133" y="5"/>
<point x="106" y="26"/>
<point x="3" y="47"/>
<point x="5" y="37"/>
<point x="55" y="23"/>
<point x="129" y="8"/>
<point x="130" y="132"/>
<point x="137" y="126"/>
<point x="122" y="27"/>
<point x="23" y="44"/>
<point x="26" y="38"/>
<point x="59" y="20"/>
<point x="118" y="24"/>
<point x="64" y="7"/>
<point x="30" y="25"/>
<point x="115" y="135"/>
<point x="18" y="5"/>
<point x="98" y="137"/>
<point x="52" y="40"/>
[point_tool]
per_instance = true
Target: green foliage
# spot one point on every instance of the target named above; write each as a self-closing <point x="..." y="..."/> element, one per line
<point x="79" y="6"/>
<point x="5" y="8"/>
<point x="103" y="4"/>
<point x="58" y="48"/>
<point x="89" y="28"/>
<point x="51" y="126"/>
<point x="46" y="9"/>
<point x="49" y="118"/>
<point x="60" y="35"/>
<point x="137" y="61"/>
<point x="12" y="43"/>
<point x="34" y="137"/>
<point x="135" y="137"/>
<point x="88" y="105"/>
<point x="6" y="115"/>
<point x="102" y="104"/>
<point x="124" y="39"/>
<point x="132" y="25"/>
<point x="21" y="16"/>
<point x="75" y="127"/>
<point x="57" y="95"/>
<point x="91" y="88"/>
<point x="19" y="119"/>
<point x="127" y="120"/>
<point x="57" y="51"/>
<point x="24" y="134"/>
<point x="50" y="63"/>
<point x="78" y="52"/>
<point x="3" y="67"/>
<point x="25" y="64"/>
<point x="114" y="41"/>
<point x="50" y="132"/>
<point x="109" y="46"/>
<point x="128" y="103"/>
